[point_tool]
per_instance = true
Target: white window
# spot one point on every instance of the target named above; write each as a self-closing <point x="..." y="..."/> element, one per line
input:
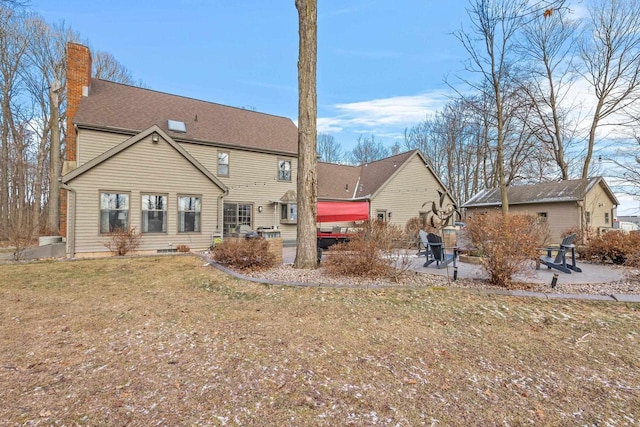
<point x="114" y="212"/>
<point x="284" y="170"/>
<point x="223" y="163"/>
<point x="189" y="214"/>
<point x="154" y="213"/>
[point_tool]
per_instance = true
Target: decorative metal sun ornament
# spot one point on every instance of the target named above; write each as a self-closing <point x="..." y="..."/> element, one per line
<point x="441" y="215"/>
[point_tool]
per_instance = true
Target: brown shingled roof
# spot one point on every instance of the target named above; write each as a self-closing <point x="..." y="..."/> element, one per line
<point x="375" y="174"/>
<point x="334" y="180"/>
<point x="546" y="192"/>
<point x="132" y="109"/>
<point x="337" y="181"/>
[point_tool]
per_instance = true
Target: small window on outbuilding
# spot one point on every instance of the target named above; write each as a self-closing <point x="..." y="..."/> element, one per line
<point x="606" y="217"/>
<point x="542" y="214"/>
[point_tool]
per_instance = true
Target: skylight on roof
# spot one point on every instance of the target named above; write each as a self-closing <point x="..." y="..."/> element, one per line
<point x="177" y="126"/>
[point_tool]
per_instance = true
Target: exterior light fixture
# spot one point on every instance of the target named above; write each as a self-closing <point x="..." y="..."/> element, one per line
<point x="260" y="209"/>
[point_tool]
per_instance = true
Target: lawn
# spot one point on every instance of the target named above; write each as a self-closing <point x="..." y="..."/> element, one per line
<point x="169" y="341"/>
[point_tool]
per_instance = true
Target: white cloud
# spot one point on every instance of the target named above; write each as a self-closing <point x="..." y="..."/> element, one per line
<point x="384" y="116"/>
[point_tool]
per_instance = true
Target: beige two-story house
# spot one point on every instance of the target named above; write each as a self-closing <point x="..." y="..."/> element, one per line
<point x="181" y="171"/>
<point x="178" y="170"/>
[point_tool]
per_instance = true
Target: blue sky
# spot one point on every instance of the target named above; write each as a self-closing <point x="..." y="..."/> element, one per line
<point x="381" y="64"/>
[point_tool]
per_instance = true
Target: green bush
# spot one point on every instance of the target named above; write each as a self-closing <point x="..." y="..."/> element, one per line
<point x="508" y="243"/>
<point x="617" y="247"/>
<point x="245" y="253"/>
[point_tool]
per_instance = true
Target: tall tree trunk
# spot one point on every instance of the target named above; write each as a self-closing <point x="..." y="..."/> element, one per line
<point x="38" y="181"/>
<point x="500" y="149"/>
<point x="307" y="182"/>
<point x="4" y="178"/>
<point x="592" y="139"/>
<point x="55" y="162"/>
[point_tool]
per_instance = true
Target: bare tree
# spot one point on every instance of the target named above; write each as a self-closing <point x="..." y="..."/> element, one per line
<point x="548" y="48"/>
<point x="611" y="58"/>
<point x="105" y="66"/>
<point x="367" y="150"/>
<point x="12" y="52"/>
<point x="45" y="81"/>
<point x="495" y="23"/>
<point x="329" y="150"/>
<point x="32" y="113"/>
<point x="306" y="252"/>
<point x="490" y="44"/>
<point x="454" y="143"/>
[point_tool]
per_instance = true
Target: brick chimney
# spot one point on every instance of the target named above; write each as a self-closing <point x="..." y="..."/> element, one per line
<point x="78" y="84"/>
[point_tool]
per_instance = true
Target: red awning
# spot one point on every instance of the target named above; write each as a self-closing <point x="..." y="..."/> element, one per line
<point x="342" y="211"/>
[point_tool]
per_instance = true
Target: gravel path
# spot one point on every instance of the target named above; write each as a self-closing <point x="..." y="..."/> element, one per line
<point x="412" y="279"/>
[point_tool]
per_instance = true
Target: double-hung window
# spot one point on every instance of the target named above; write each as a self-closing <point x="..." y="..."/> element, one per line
<point x="114" y="212"/>
<point x="189" y="214"/>
<point x="284" y="170"/>
<point x="223" y="163"/>
<point x="154" y="213"/>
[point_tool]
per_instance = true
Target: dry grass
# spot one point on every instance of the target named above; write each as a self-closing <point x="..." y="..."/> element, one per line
<point x="166" y="340"/>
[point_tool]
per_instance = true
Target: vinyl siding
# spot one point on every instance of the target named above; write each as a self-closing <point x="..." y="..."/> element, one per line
<point x="406" y="192"/>
<point x="144" y="168"/>
<point x="598" y="203"/>
<point x="253" y="178"/>
<point x="92" y="143"/>
<point x="561" y="217"/>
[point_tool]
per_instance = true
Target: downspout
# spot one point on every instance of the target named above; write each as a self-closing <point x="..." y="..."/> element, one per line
<point x="220" y="218"/>
<point x="581" y="218"/>
<point x="71" y="219"/>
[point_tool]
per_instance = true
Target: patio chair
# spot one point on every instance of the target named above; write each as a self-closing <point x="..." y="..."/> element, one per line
<point x="560" y="260"/>
<point x="435" y="250"/>
<point x="423" y="244"/>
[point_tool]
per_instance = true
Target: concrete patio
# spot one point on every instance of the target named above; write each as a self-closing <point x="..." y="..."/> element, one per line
<point x="591" y="273"/>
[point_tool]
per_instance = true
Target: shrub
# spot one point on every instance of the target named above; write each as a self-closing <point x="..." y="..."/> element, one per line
<point x="633" y="261"/>
<point x="411" y="229"/>
<point x="615" y="246"/>
<point x="22" y="235"/>
<point x="508" y="243"/>
<point x="583" y="235"/>
<point x="121" y="241"/>
<point x="373" y="253"/>
<point x="183" y="248"/>
<point x="245" y="253"/>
